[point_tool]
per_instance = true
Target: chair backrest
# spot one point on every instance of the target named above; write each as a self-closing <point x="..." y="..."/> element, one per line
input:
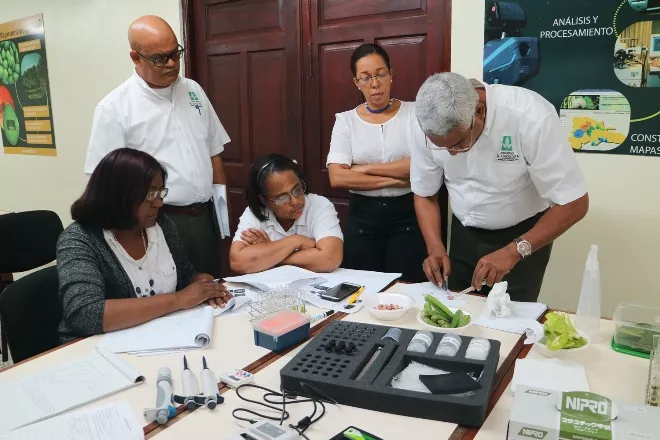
<point x="31" y="312"/>
<point x="28" y="240"/>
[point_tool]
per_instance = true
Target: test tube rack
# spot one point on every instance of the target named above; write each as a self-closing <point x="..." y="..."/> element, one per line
<point x="271" y="301"/>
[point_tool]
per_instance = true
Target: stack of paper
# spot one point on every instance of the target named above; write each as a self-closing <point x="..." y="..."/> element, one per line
<point x="554" y="373"/>
<point x="185" y="330"/>
<point x="63" y="387"/>
<point x="108" y="422"/>
<point x="524" y="316"/>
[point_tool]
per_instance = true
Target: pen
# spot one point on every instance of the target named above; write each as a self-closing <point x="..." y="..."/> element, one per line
<point x="321" y="316"/>
<point x="355" y="296"/>
<point x="236" y="292"/>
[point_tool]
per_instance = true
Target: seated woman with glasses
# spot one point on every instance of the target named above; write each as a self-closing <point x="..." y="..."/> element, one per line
<point x="369" y="155"/>
<point x="121" y="263"/>
<point x="284" y="224"/>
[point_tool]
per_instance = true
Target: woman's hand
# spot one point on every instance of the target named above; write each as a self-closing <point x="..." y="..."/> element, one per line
<point x="201" y="291"/>
<point x="254" y="236"/>
<point x="306" y="243"/>
<point x="202" y="277"/>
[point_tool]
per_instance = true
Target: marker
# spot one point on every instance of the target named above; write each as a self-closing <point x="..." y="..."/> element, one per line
<point x="321" y="316"/>
<point x="355" y="296"/>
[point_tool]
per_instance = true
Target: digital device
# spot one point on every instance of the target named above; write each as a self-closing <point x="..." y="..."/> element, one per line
<point x="340" y="291"/>
<point x="353" y="433"/>
<point x="236" y="378"/>
<point x="655" y="45"/>
<point x="265" y="430"/>
<point x="645" y="5"/>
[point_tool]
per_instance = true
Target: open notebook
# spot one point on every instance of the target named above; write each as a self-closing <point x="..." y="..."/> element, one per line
<point x="184" y="330"/>
<point x="114" y="421"/>
<point x="62" y="387"/>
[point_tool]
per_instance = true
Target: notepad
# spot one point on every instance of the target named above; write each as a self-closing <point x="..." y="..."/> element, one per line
<point x="108" y="422"/>
<point x="63" y="387"/>
<point x="278" y="276"/>
<point x="184" y="330"/>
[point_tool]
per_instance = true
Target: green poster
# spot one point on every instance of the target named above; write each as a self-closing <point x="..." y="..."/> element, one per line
<point x="596" y="61"/>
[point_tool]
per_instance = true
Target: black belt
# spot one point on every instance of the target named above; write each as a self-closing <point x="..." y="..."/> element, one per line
<point x="195" y="209"/>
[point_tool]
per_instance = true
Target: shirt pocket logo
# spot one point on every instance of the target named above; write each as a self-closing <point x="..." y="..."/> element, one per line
<point x="507" y="153"/>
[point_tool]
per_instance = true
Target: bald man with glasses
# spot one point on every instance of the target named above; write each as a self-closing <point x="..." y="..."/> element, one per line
<point x="172" y="119"/>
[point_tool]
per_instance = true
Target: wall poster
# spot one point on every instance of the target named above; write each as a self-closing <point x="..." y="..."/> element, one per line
<point x="26" y="117"/>
<point x="596" y="61"/>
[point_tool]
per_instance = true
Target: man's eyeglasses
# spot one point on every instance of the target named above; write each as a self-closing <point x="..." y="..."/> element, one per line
<point x="282" y="200"/>
<point x="457" y="148"/>
<point x="151" y="195"/>
<point x="162" y="60"/>
<point x="366" y="80"/>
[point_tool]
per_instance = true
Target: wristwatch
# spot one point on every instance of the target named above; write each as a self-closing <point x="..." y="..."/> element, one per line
<point x="523" y="247"/>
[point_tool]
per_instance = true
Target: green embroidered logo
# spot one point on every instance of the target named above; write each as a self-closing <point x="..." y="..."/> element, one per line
<point x="507" y="145"/>
<point x="193" y="96"/>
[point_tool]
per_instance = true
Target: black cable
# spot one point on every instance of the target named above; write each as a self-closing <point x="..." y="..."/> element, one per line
<point x="280" y="406"/>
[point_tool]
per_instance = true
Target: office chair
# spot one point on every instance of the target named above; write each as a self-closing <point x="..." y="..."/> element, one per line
<point x="31" y="312"/>
<point x="27" y="241"/>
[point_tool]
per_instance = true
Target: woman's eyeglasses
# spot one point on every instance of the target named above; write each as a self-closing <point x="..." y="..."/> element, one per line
<point x="162" y="60"/>
<point x="282" y="200"/>
<point x="366" y="80"/>
<point x="151" y="195"/>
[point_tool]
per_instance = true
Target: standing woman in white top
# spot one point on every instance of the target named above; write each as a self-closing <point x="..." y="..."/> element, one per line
<point x="284" y="224"/>
<point x="370" y="156"/>
<point x="121" y="263"/>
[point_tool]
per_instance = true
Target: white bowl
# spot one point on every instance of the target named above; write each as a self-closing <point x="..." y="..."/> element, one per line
<point x="399" y="299"/>
<point x="446" y="329"/>
<point x="565" y="353"/>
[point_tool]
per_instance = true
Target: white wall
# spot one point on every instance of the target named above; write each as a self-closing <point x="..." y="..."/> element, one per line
<point x="87" y="51"/>
<point x="625" y="207"/>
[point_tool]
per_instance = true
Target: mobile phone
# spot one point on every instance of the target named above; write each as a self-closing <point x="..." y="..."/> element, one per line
<point x="340" y="291"/>
<point x="353" y="433"/>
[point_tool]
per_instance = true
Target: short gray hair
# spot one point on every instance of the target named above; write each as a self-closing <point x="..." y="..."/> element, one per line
<point x="445" y="101"/>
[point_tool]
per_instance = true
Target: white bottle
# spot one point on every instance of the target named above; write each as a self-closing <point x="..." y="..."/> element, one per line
<point x="588" y="311"/>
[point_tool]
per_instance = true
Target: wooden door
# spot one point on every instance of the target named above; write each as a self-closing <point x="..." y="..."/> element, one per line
<point x="245" y="54"/>
<point x="415" y="34"/>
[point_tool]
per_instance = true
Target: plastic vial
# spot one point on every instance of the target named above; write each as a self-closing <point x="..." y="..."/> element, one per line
<point x="478" y="349"/>
<point x="420" y="342"/>
<point x="449" y="345"/>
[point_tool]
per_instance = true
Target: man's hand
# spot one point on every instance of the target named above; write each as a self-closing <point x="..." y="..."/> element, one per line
<point x="254" y="236"/>
<point x="437" y="267"/>
<point x="494" y="266"/>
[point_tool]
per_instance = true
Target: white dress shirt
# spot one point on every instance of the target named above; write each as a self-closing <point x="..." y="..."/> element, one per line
<point x="157" y="264"/>
<point x="521" y="165"/>
<point x="358" y="142"/>
<point x="318" y="221"/>
<point x="182" y="133"/>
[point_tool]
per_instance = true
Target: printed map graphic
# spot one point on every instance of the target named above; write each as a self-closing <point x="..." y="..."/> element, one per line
<point x="589" y="132"/>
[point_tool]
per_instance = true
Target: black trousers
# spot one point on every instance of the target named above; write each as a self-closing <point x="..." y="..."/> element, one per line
<point x="382" y="235"/>
<point x="201" y="238"/>
<point x="469" y="244"/>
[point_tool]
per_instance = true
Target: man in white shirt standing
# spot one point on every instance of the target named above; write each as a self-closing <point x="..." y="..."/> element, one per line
<point x="171" y="118"/>
<point x="513" y="181"/>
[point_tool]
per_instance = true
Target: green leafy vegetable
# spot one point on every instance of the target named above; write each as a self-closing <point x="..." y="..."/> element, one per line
<point x="560" y="332"/>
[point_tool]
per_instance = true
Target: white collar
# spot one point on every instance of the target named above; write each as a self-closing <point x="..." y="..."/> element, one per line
<point x="300" y="221"/>
<point x="143" y="84"/>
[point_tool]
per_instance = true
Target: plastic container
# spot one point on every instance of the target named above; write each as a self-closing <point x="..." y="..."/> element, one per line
<point x="421" y="342"/>
<point x="478" y="349"/>
<point x="281" y="330"/>
<point x="588" y="314"/>
<point x="634" y="328"/>
<point x="449" y="345"/>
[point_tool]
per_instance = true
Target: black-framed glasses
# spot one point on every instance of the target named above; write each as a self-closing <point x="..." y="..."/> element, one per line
<point x="455" y="149"/>
<point x="161" y="60"/>
<point x="151" y="195"/>
<point x="298" y="190"/>
<point x="366" y="80"/>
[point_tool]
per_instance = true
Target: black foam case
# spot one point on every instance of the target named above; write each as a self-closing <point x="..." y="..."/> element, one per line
<point x="313" y="372"/>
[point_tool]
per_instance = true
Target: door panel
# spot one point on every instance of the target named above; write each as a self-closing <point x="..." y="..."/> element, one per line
<point x="246" y="57"/>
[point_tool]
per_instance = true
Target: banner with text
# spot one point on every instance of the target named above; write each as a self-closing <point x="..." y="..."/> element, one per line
<point x="26" y="117"/>
<point x="596" y="61"/>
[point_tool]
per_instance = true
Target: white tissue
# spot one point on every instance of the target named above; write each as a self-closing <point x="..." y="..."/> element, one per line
<point x="535" y="333"/>
<point x="409" y="380"/>
<point x="498" y="302"/>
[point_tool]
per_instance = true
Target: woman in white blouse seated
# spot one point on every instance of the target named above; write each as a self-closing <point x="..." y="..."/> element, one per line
<point x="283" y="224"/>
<point x="370" y="156"/>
